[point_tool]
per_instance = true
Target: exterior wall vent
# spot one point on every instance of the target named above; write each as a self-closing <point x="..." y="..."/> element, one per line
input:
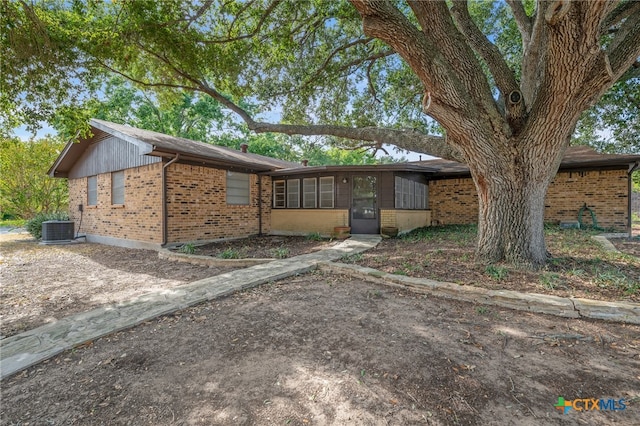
<point x="57" y="231"/>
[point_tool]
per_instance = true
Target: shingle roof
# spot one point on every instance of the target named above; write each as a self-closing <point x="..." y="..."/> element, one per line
<point x="575" y="157"/>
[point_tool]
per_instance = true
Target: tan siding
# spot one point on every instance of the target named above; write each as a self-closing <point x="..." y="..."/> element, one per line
<point x="405" y="220"/>
<point x="306" y="221"/>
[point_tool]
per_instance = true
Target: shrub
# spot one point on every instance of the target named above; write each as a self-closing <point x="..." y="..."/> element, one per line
<point x="229" y="253"/>
<point x="34" y="225"/>
<point x="188" y="248"/>
<point x="280" y="252"/>
<point x="496" y="272"/>
<point x="314" y="236"/>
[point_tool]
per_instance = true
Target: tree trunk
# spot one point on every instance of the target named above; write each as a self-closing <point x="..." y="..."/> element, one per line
<point x="511" y="224"/>
<point x="511" y="196"/>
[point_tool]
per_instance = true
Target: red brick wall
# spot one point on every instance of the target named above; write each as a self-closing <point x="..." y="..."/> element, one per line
<point x="197" y="207"/>
<point x="139" y="219"/>
<point x="454" y="201"/>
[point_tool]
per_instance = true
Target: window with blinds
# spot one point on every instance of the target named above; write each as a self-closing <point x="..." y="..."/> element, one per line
<point x="293" y="193"/>
<point x="410" y="195"/>
<point x="238" y="188"/>
<point x="279" y="196"/>
<point x="117" y="187"/>
<point x="309" y="195"/>
<point x="326" y="192"/>
<point x="92" y="191"/>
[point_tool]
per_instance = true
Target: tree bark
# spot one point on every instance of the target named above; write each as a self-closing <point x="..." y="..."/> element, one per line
<point x="511" y="222"/>
<point x="511" y="186"/>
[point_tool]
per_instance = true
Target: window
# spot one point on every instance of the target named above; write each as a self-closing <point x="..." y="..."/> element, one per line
<point x="406" y="183"/>
<point x="237" y="188"/>
<point x="326" y="192"/>
<point x="410" y="194"/>
<point x="309" y="197"/>
<point x="293" y="194"/>
<point x="117" y="187"/>
<point x="278" y="194"/>
<point x="398" y="188"/>
<point x="92" y="191"/>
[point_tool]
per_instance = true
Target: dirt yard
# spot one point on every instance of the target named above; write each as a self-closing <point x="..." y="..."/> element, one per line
<point x="579" y="266"/>
<point x="323" y="349"/>
<point x="316" y="349"/>
<point x="40" y="284"/>
<point x="265" y="247"/>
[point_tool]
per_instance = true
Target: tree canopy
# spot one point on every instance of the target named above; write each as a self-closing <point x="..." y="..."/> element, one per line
<point x="25" y="187"/>
<point x="499" y="85"/>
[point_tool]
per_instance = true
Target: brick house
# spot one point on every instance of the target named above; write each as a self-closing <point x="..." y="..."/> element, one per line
<point x="602" y="182"/>
<point x="138" y="188"/>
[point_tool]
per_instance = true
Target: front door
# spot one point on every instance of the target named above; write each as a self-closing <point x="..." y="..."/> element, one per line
<point x="364" y="205"/>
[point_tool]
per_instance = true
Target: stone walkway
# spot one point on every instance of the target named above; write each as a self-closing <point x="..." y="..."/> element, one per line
<point x="31" y="347"/>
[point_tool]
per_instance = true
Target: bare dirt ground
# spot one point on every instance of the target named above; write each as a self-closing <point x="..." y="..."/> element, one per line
<point x="579" y="266"/>
<point x="264" y="247"/>
<point x="316" y="349"/>
<point x="40" y="284"/>
<point x="324" y="349"/>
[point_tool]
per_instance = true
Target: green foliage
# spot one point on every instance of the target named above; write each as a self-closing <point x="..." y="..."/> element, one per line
<point x="482" y="310"/>
<point x="314" y="236"/>
<point x="352" y="258"/>
<point x="230" y="253"/>
<point x="611" y="126"/>
<point x="34" y="225"/>
<point x="187" y="248"/>
<point x="12" y="223"/>
<point x="457" y="233"/>
<point x="25" y="187"/>
<point x="496" y="272"/>
<point x="280" y="252"/>
<point x="183" y="114"/>
<point x="551" y="280"/>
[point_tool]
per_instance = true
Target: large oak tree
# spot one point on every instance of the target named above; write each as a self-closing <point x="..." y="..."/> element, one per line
<point x="430" y="76"/>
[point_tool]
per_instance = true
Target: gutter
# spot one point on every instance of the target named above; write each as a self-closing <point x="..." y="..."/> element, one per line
<point x="164" y="199"/>
<point x="632" y="169"/>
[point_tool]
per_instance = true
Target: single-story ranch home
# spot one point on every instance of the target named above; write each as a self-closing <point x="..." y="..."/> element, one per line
<point x="138" y="188"/>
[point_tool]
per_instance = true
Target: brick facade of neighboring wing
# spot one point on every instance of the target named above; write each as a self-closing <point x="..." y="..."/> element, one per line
<point x="455" y="201"/>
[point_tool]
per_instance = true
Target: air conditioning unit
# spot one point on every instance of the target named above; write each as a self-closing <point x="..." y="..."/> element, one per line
<point x="57" y="231"/>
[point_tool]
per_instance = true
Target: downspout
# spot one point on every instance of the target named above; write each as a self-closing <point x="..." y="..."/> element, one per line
<point x="164" y="198"/>
<point x="632" y="169"/>
<point x="259" y="205"/>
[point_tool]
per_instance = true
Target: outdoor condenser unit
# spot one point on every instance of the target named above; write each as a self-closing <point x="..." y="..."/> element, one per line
<point x="57" y="231"/>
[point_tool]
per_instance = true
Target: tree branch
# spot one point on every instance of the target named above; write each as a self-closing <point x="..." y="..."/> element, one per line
<point x="621" y="12"/>
<point x="411" y="140"/>
<point x="145" y="83"/>
<point x="250" y="34"/>
<point x="502" y="74"/>
<point x="533" y="57"/>
<point x="344" y="67"/>
<point x="522" y="20"/>
<point x="624" y="49"/>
